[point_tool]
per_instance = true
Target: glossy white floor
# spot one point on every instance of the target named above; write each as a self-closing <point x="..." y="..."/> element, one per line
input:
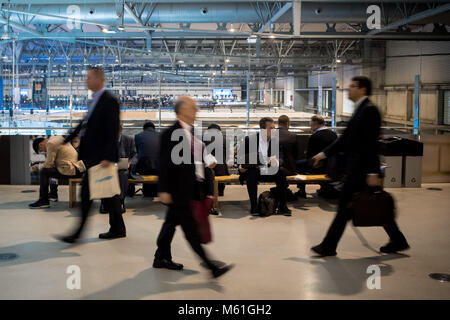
<point x="272" y="254"/>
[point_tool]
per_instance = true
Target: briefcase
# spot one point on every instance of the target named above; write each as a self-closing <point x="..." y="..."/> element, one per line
<point x="201" y="210"/>
<point x="372" y="208"/>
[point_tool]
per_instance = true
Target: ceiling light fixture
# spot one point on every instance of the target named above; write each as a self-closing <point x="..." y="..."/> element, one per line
<point x="252" y="39"/>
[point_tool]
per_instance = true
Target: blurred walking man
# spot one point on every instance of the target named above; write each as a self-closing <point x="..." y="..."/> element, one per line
<point x="99" y="131"/>
<point x="359" y="143"/>
<point x="178" y="185"/>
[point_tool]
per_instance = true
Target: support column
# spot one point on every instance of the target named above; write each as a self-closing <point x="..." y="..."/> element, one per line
<point x="417" y="105"/>
<point x="333" y="100"/>
<point x="20" y="160"/>
<point x="248" y="101"/>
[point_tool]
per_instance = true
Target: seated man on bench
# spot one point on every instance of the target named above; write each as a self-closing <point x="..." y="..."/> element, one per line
<point x="260" y="171"/>
<point x="320" y="138"/>
<point x="61" y="162"/>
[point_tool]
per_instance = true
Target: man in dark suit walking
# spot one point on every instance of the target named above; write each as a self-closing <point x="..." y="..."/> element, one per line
<point x="179" y="183"/>
<point x="359" y="143"/>
<point x="99" y="131"/>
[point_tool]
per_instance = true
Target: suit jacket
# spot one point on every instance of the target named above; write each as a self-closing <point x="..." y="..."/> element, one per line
<point x="359" y="142"/>
<point x="127" y="148"/>
<point x="147" y="145"/>
<point x="318" y="141"/>
<point x="179" y="179"/>
<point x="252" y="153"/>
<point x="64" y="158"/>
<point x="221" y="169"/>
<point x="288" y="145"/>
<point x="99" y="140"/>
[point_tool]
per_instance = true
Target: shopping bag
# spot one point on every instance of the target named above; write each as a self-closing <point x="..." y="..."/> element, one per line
<point x="103" y="182"/>
<point x="201" y="210"/>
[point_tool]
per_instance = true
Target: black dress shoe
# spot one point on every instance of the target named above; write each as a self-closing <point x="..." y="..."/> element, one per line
<point x="167" y="264"/>
<point x="221" y="271"/>
<point x="103" y="209"/>
<point x="301" y="194"/>
<point x="285" y="211"/>
<point x="322" y="251"/>
<point x="254" y="211"/>
<point x="393" y="247"/>
<point x="111" y="235"/>
<point x="67" y="239"/>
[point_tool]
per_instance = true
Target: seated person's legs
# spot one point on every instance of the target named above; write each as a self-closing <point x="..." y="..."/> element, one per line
<point x="221" y="189"/>
<point x="53" y="195"/>
<point x="44" y="176"/>
<point x="280" y="180"/>
<point x="252" y="177"/>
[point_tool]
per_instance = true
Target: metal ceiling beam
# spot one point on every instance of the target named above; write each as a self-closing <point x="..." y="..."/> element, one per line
<point x="208" y="1"/>
<point x="276" y="16"/>
<point x="47" y="15"/>
<point x="416" y="17"/>
<point x="20" y="27"/>
<point x="135" y="17"/>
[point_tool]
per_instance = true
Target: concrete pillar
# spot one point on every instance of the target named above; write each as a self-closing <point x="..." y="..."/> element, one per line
<point x="20" y="160"/>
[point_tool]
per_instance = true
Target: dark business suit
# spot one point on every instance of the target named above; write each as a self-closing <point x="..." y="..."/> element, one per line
<point x="359" y="144"/>
<point x="147" y="146"/>
<point x="288" y="145"/>
<point x="317" y="142"/>
<point x="99" y="142"/>
<point x="253" y="174"/>
<point x="127" y="149"/>
<point x="221" y="169"/>
<point x="180" y="181"/>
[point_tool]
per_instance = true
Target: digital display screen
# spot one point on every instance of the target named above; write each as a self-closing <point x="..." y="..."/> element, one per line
<point x="222" y="93"/>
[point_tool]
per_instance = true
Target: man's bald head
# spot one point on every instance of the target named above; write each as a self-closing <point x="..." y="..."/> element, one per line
<point x="183" y="101"/>
<point x="186" y="109"/>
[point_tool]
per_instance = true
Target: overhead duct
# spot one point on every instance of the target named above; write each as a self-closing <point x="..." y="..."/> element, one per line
<point x="195" y="13"/>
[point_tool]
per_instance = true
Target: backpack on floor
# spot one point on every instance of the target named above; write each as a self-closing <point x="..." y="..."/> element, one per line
<point x="266" y="204"/>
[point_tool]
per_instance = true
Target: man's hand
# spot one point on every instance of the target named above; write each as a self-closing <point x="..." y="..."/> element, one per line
<point x="165" y="197"/>
<point x="373" y="180"/>
<point x="35" y="168"/>
<point x="317" y="159"/>
<point x="105" y="163"/>
<point x="212" y="165"/>
<point x="242" y="170"/>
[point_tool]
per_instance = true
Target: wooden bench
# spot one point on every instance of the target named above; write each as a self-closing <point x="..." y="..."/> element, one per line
<point x="234" y="179"/>
<point x="73" y="186"/>
<point x="230" y="179"/>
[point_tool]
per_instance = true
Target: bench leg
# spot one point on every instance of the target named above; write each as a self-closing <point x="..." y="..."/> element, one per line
<point x="72" y="194"/>
<point x="216" y="194"/>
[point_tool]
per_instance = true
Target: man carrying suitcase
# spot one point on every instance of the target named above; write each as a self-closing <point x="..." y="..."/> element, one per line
<point x="359" y="143"/>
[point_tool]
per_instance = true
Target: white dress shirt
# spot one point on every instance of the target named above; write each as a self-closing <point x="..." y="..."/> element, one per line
<point x="264" y="148"/>
<point x="198" y="147"/>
